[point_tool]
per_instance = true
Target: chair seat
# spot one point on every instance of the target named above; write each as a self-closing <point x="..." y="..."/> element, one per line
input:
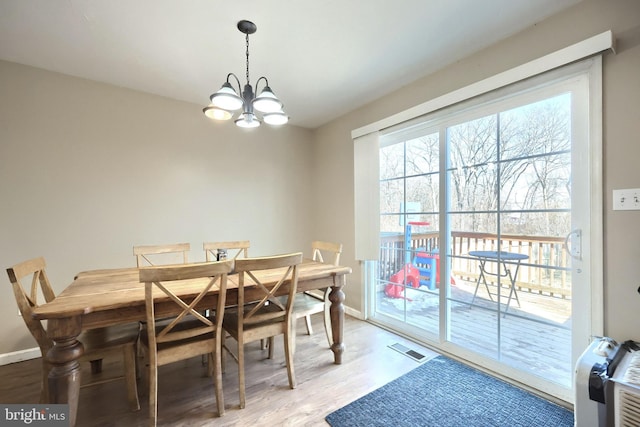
<point x="185" y="324"/>
<point x="305" y="304"/>
<point x="195" y="346"/>
<point x="264" y="329"/>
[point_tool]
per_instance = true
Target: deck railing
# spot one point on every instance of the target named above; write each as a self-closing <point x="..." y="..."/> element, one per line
<point x="546" y="271"/>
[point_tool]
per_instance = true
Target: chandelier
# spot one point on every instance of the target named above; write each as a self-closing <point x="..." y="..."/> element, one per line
<point x="226" y="100"/>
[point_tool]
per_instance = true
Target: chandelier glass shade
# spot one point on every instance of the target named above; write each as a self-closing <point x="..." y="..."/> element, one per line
<point x="226" y="101"/>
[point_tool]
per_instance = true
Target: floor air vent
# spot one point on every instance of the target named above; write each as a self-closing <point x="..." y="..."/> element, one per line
<point x="418" y="357"/>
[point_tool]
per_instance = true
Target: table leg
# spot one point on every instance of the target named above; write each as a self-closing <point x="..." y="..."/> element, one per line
<point x="337" y="317"/>
<point x="483" y="279"/>
<point x="64" y="376"/>
<point x="512" y="291"/>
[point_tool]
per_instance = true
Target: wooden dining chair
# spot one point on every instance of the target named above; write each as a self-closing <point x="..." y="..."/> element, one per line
<point x="238" y="248"/>
<point x="189" y="333"/>
<point x="119" y="340"/>
<point x="312" y="302"/>
<point x="266" y="316"/>
<point x="149" y="255"/>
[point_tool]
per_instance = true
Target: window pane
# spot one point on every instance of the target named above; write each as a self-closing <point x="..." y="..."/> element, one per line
<point x="537" y="128"/>
<point x="473" y="143"/>
<point x="542" y="183"/>
<point x="392" y="161"/>
<point x="391" y="196"/>
<point x="423" y="155"/>
<point x="473" y="188"/>
<point x="424" y="191"/>
<point x="535" y="224"/>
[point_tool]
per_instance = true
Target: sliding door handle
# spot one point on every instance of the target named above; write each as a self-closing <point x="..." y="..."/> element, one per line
<point x="573" y="244"/>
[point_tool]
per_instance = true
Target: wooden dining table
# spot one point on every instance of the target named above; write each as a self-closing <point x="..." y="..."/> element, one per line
<point x="106" y="297"/>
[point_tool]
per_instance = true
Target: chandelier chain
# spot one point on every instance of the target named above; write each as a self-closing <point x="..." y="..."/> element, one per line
<point x="247" y="38"/>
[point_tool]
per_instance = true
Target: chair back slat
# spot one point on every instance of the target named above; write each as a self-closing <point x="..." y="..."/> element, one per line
<point x="331" y="250"/>
<point x="268" y="306"/>
<point x="187" y="309"/>
<point x="151" y="254"/>
<point x="268" y="298"/>
<point x="28" y="301"/>
<point x="238" y="248"/>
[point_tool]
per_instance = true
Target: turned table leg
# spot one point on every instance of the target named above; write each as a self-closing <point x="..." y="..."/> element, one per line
<point x="337" y="318"/>
<point x="64" y="376"/>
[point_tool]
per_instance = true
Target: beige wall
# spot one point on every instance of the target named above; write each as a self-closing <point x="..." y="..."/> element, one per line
<point x="621" y="140"/>
<point x="88" y="170"/>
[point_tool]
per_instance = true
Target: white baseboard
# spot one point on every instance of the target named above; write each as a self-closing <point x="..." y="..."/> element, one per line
<point x="353" y="312"/>
<point x="19" y="356"/>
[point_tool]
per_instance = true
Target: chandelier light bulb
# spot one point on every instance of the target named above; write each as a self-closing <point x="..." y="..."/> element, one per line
<point x="267" y="102"/>
<point x="226" y="98"/>
<point x="276" y="119"/>
<point x="247" y="120"/>
<point x="216" y="113"/>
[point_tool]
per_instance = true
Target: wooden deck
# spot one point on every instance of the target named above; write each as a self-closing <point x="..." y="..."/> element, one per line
<point x="534" y="336"/>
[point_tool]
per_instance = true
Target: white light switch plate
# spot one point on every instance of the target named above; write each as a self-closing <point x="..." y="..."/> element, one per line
<point x="626" y="200"/>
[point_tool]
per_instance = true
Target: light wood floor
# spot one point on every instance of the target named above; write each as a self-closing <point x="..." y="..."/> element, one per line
<point x="186" y="396"/>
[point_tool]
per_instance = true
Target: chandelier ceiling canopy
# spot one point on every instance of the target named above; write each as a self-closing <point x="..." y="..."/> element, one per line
<point x="226" y="101"/>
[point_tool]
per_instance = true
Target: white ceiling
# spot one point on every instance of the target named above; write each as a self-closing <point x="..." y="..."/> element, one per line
<point x="322" y="58"/>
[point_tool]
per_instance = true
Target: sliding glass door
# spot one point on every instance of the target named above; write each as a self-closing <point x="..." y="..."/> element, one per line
<point x="478" y="206"/>
<point x="409" y="197"/>
<point x="509" y="211"/>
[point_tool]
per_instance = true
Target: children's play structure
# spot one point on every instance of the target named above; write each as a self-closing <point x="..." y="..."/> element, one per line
<point x="422" y="270"/>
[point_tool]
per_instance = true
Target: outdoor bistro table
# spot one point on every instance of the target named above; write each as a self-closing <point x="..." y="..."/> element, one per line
<point x="502" y="258"/>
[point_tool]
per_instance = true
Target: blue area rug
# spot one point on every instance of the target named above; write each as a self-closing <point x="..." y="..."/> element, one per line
<point x="442" y="393"/>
